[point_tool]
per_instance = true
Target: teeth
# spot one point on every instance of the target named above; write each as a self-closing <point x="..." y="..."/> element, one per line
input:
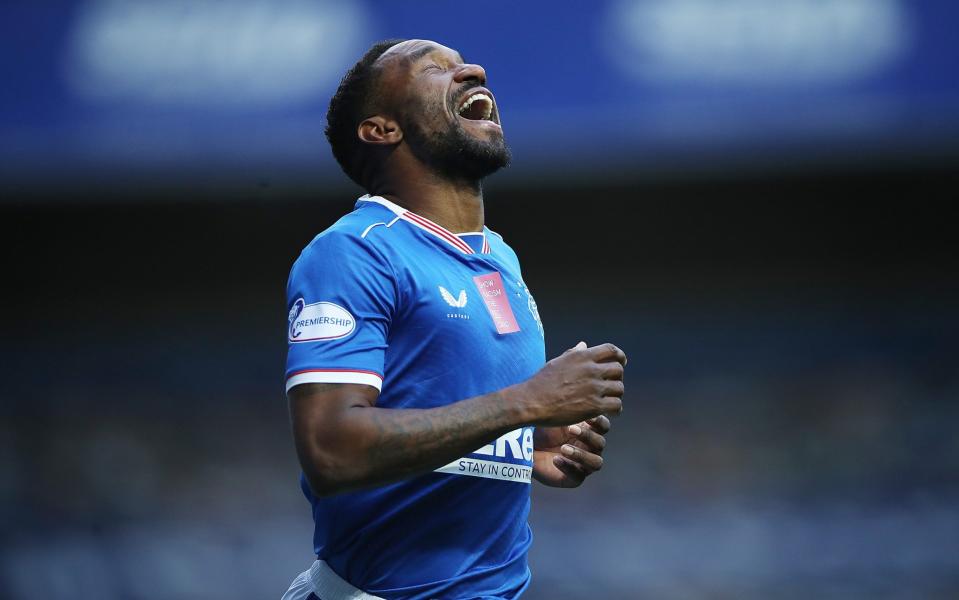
<point x="479" y="96"/>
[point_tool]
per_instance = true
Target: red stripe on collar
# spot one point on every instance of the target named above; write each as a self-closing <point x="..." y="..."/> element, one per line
<point x="425" y="224"/>
<point x="439" y="231"/>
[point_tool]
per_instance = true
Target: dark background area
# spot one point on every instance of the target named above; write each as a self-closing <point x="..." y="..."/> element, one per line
<point x="789" y="427"/>
<point x="754" y="200"/>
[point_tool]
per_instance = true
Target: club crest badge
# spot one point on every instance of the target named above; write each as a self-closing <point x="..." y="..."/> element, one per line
<point x="533" y="309"/>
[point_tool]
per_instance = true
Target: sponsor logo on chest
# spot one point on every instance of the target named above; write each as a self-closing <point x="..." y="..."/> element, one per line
<point x="456" y="303"/>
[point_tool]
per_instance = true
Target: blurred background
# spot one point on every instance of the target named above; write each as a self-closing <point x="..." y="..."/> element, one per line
<point x="750" y="197"/>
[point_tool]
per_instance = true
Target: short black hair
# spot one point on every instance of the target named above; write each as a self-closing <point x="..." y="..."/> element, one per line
<point x="348" y="107"/>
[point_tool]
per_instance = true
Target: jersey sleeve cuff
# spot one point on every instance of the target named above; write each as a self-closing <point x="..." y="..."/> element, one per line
<point x="334" y="376"/>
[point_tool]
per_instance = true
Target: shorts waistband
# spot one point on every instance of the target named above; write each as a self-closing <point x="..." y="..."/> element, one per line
<point x="330" y="586"/>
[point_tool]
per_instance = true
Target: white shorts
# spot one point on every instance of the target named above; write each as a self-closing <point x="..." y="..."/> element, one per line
<point x="323" y="581"/>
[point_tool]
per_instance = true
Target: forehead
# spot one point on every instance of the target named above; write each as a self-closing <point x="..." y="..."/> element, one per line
<point x="412" y="50"/>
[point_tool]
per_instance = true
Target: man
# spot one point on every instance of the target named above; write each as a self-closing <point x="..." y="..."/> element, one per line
<point x="420" y="403"/>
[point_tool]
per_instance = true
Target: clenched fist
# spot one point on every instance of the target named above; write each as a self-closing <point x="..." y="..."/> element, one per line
<point x="580" y="384"/>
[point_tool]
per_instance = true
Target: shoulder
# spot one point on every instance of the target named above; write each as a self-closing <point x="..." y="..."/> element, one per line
<point x="350" y="242"/>
<point x="499" y="245"/>
<point x="363" y="228"/>
<point x="354" y="227"/>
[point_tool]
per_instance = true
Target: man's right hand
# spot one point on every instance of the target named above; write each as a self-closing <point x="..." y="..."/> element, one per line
<point x="577" y="385"/>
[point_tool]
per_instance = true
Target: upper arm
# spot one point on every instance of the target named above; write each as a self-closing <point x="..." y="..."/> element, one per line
<point x="321" y="432"/>
<point x="317" y="409"/>
<point x="341" y="298"/>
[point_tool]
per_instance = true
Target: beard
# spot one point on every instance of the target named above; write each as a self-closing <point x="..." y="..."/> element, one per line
<point x="455" y="154"/>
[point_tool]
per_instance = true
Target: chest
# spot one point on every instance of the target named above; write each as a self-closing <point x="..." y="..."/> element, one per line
<point x="475" y="315"/>
<point x="481" y="300"/>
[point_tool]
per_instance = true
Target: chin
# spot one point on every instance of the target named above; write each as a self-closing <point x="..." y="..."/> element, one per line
<point x="456" y="154"/>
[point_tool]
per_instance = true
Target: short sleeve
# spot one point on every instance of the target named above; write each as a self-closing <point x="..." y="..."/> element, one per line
<point x="341" y="297"/>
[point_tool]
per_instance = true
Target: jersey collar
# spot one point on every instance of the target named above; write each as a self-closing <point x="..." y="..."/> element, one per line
<point x="483" y="241"/>
<point x="428" y="226"/>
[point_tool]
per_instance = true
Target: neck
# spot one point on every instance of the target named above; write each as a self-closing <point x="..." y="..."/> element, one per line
<point x="455" y="205"/>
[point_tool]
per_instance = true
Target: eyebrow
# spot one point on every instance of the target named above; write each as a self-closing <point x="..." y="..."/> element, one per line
<point x="418" y="54"/>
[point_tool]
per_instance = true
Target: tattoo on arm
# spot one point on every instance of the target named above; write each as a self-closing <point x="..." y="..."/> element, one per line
<point x="358" y="445"/>
<point x="413" y="439"/>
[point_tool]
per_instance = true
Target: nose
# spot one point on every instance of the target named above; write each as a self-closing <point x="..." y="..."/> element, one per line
<point x="470" y="73"/>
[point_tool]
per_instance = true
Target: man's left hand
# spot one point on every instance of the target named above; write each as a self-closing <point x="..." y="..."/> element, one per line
<point x="565" y="456"/>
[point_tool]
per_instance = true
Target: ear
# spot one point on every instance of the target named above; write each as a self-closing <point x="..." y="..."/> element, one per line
<point x="380" y="130"/>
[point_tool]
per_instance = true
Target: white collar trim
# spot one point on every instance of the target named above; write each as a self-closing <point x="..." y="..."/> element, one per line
<point x="429" y="226"/>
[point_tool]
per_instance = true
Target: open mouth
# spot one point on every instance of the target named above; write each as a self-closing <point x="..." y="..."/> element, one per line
<point x="476" y="107"/>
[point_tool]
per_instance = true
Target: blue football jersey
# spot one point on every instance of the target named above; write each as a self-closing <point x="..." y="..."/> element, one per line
<point x="388" y="298"/>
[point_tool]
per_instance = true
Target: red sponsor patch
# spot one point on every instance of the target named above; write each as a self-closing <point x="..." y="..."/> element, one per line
<point x="491" y="289"/>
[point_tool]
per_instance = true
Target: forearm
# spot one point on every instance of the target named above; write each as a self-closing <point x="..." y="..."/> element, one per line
<point x="344" y="441"/>
<point x="371" y="446"/>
